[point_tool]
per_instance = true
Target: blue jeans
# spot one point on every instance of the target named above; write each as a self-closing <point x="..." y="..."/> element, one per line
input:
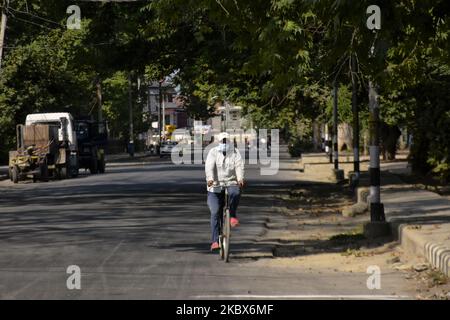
<point x="216" y="202"/>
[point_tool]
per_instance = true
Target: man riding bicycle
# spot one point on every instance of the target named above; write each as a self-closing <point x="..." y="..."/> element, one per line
<point x="224" y="167"/>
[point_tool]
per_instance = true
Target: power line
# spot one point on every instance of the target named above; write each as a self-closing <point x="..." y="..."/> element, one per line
<point x="36" y="16"/>
<point x="53" y="46"/>
<point x="31" y="22"/>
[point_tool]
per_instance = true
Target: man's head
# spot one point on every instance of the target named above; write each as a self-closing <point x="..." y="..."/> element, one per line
<point x="224" y="141"/>
<point x="224" y="137"/>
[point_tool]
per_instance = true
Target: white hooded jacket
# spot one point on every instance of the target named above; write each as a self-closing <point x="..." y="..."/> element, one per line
<point x="223" y="170"/>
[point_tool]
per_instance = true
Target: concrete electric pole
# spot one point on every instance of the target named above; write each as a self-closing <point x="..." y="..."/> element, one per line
<point x="3" y="29"/>
<point x="335" y="126"/>
<point x="130" y="106"/>
<point x="356" y="168"/>
<point x="378" y="225"/>
<point x="160" y="115"/>
<point x="376" y="207"/>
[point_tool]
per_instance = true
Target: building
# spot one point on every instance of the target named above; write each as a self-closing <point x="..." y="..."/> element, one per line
<point x="230" y="118"/>
<point x="170" y="113"/>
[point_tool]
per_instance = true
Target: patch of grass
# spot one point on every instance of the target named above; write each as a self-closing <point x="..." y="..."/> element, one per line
<point x="357" y="253"/>
<point x="437" y="278"/>
<point x="349" y="237"/>
<point x="428" y="182"/>
<point x="346" y="237"/>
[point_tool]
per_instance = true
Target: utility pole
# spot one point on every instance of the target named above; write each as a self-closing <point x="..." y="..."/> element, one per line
<point x="164" y="114"/>
<point x="355" y="110"/>
<point x="377" y="226"/>
<point x="99" y="100"/>
<point x="3" y="29"/>
<point x="335" y="126"/>
<point x="130" y="106"/>
<point x="160" y="115"/>
<point x="376" y="207"/>
<point x="328" y="147"/>
<point x="227" y="115"/>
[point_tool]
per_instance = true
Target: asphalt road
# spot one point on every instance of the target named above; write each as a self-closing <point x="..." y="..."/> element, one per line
<point x="142" y="232"/>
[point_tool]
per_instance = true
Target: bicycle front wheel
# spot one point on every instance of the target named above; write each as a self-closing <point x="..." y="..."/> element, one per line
<point x="226" y="235"/>
<point x="221" y="252"/>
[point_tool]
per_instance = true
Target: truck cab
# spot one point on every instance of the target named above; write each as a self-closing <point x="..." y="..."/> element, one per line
<point x="92" y="138"/>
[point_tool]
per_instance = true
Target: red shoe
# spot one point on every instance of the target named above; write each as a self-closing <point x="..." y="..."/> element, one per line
<point x="234" y="222"/>
<point x="215" y="246"/>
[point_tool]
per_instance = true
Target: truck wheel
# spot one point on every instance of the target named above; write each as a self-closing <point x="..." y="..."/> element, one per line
<point x="74" y="172"/>
<point x="94" y="166"/>
<point x="62" y="172"/>
<point x="43" y="169"/>
<point x="101" y="165"/>
<point x="10" y="175"/>
<point x="15" y="174"/>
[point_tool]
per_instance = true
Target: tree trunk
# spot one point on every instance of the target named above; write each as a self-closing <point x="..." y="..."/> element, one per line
<point x="389" y="140"/>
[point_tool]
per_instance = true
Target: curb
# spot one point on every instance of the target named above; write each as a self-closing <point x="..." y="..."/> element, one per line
<point x="133" y="164"/>
<point x="436" y="254"/>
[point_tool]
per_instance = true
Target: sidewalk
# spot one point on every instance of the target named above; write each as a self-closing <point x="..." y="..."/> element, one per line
<point x="419" y="219"/>
<point x="318" y="164"/>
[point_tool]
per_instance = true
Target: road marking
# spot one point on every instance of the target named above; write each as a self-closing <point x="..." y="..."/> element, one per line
<point x="13" y="294"/>
<point x="102" y="270"/>
<point x="112" y="253"/>
<point x="304" y="296"/>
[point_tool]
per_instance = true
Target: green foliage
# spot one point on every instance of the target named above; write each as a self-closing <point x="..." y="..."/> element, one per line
<point x="345" y="113"/>
<point x="277" y="58"/>
<point x="42" y="76"/>
<point x="299" y="140"/>
<point x="115" y="106"/>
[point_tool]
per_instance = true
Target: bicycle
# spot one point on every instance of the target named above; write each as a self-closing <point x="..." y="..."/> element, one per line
<point x="225" y="230"/>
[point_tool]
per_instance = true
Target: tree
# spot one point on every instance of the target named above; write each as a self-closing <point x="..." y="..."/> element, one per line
<point x="276" y="58"/>
<point x="42" y="76"/>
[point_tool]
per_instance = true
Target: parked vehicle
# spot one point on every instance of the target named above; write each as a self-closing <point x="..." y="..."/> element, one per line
<point x="46" y="147"/>
<point x="92" y="140"/>
<point x="166" y="148"/>
<point x="152" y="142"/>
